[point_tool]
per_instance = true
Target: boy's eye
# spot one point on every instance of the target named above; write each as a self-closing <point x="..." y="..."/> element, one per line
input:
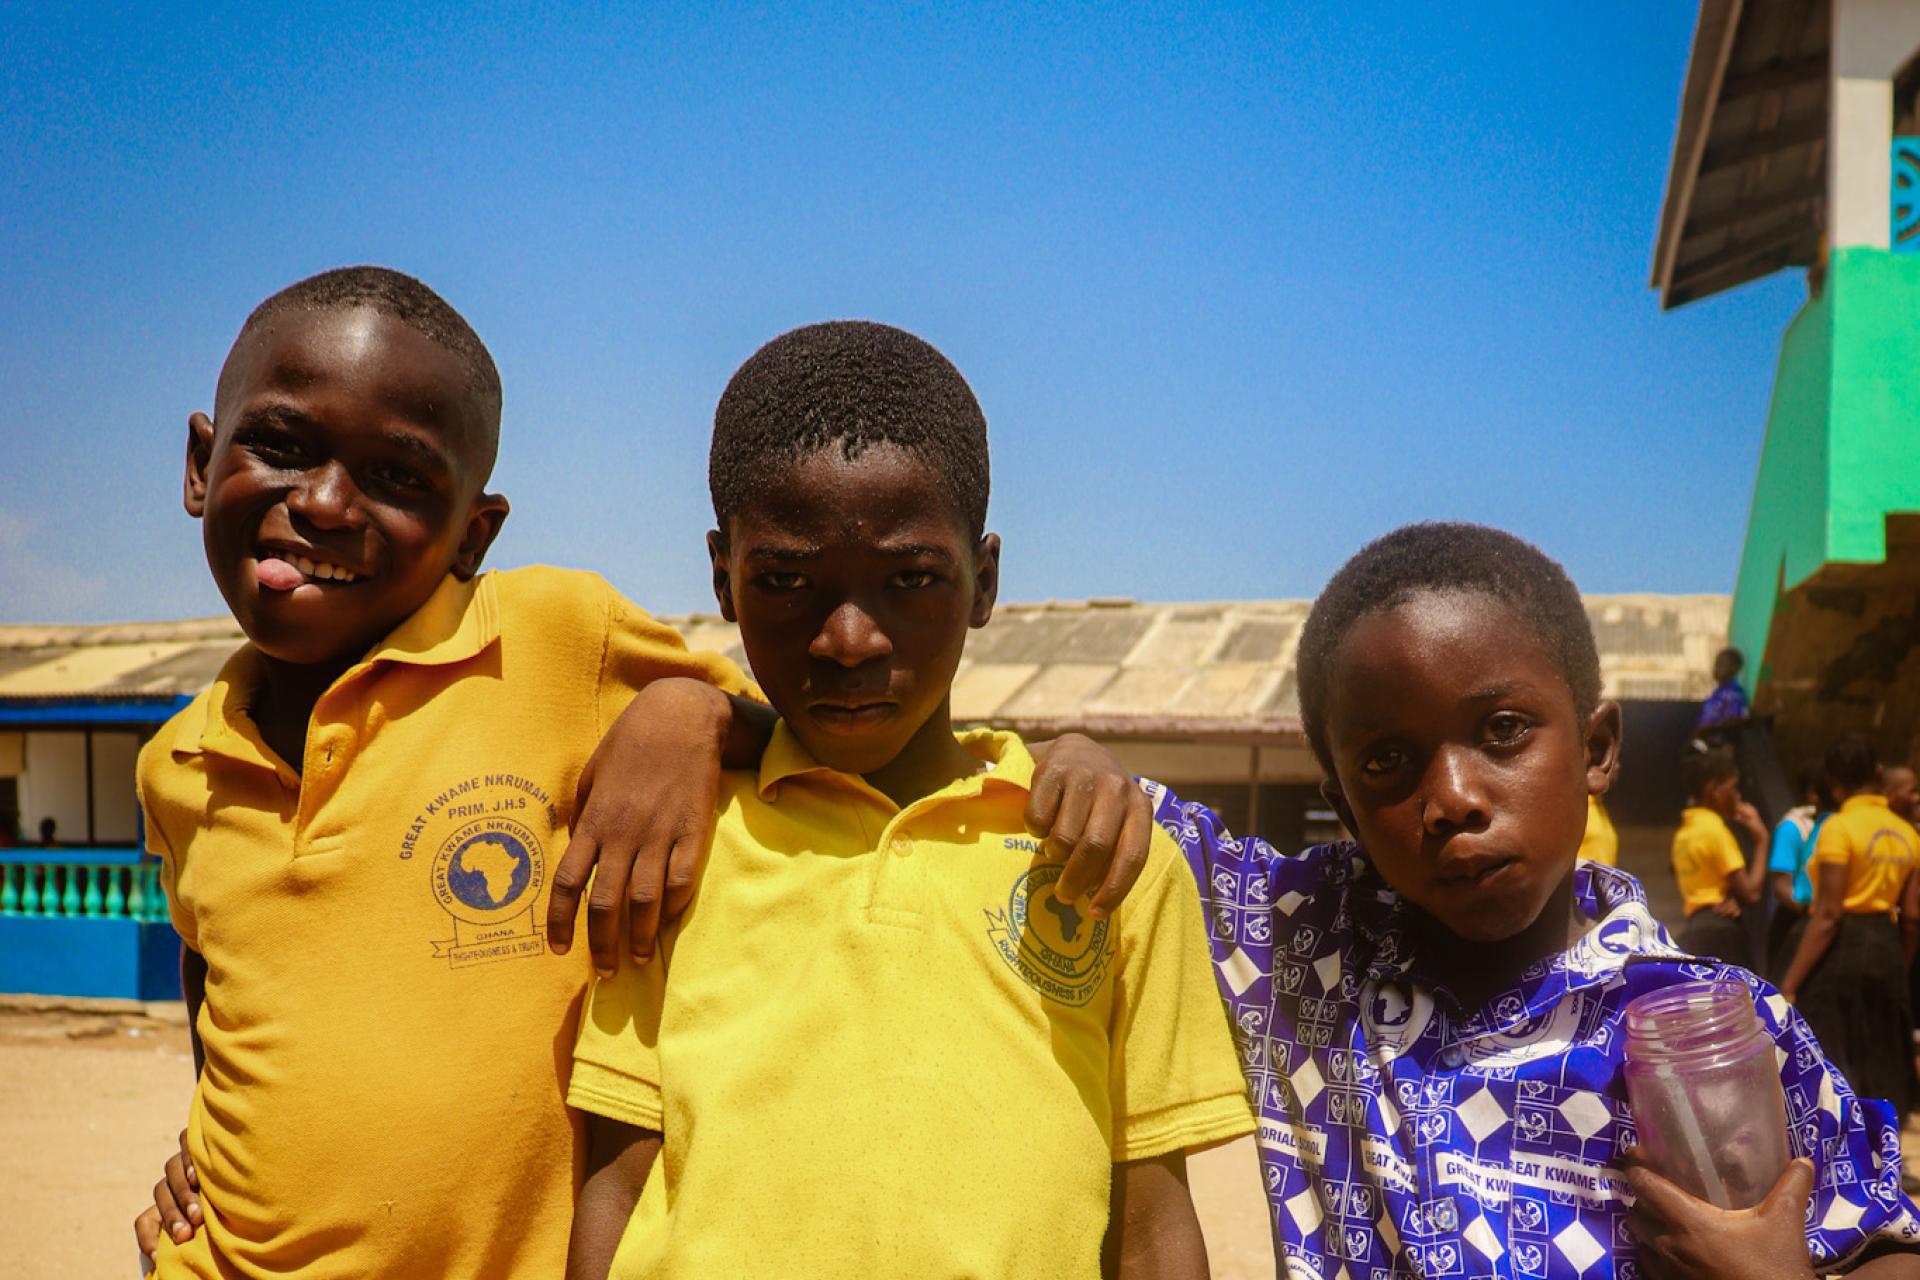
<point x="1383" y="762"/>
<point x="400" y="478"/>
<point x="782" y="580"/>
<point x="912" y="579"/>
<point x="1506" y="727"/>
<point x="274" y="446"/>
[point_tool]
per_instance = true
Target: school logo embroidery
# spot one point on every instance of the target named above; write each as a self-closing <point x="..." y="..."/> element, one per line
<point x="1058" y="950"/>
<point x="488" y="867"/>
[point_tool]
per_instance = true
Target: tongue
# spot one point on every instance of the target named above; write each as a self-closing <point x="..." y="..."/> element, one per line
<point x="278" y="575"/>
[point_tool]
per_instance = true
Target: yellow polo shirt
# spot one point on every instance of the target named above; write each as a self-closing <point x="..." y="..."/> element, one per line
<point x="881" y="1047"/>
<point x="1704" y="853"/>
<point x="1600" y="843"/>
<point x="386" y="1035"/>
<point x="1878" y="848"/>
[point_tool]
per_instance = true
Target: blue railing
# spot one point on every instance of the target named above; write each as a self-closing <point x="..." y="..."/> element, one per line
<point x="86" y="922"/>
<point x="1905" y="213"/>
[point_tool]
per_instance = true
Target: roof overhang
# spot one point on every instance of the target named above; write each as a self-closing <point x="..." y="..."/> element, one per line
<point x="1746" y="190"/>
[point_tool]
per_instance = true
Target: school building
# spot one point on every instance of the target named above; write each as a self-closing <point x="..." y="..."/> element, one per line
<point x="1798" y="148"/>
<point x="1200" y="696"/>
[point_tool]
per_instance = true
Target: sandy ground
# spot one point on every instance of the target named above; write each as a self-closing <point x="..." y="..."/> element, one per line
<point x="91" y="1101"/>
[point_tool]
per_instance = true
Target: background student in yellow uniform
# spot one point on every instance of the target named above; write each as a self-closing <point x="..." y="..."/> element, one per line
<point x="882" y="1045"/>
<point x="1716" y="883"/>
<point x="1849" y="974"/>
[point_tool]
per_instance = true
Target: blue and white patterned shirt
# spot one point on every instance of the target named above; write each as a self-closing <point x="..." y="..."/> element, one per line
<point x="1401" y="1135"/>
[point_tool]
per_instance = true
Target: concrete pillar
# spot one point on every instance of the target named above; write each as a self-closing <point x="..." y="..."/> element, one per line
<point x="1872" y="40"/>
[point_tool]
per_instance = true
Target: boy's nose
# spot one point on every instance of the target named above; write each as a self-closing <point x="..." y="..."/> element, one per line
<point x="850" y="637"/>
<point x="1453" y="798"/>
<point x="324" y="496"/>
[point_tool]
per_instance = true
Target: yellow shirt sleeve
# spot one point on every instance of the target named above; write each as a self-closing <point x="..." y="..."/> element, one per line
<point x="157" y="755"/>
<point x="639" y="649"/>
<point x="1834" y="845"/>
<point x="616" y="1058"/>
<point x="1174" y="1078"/>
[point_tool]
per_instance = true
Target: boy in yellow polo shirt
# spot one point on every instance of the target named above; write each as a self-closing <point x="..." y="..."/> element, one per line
<point x="881" y="1045"/>
<point x="358" y="821"/>
<point x="1716" y="883"/>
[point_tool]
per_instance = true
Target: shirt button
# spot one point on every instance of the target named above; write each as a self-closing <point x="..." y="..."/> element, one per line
<point x="901" y="847"/>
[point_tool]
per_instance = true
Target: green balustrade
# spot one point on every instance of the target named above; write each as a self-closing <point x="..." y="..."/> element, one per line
<point x="102" y="891"/>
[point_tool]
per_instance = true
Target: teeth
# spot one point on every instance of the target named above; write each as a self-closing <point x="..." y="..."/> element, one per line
<point x="321" y="569"/>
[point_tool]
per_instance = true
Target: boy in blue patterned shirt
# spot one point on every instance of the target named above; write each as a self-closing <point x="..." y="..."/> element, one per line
<point x="1431" y="1020"/>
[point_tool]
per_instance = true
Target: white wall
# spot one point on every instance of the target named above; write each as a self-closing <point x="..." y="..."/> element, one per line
<point x="54" y="785"/>
<point x="116" y="817"/>
<point x="1872" y="39"/>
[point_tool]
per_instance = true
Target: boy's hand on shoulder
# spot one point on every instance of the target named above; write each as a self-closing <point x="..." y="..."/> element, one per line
<point x="644" y="815"/>
<point x="1684" y="1238"/>
<point x="1092" y="816"/>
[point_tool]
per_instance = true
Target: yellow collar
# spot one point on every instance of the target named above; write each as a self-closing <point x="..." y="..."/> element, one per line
<point x="785" y="757"/>
<point x="458" y="621"/>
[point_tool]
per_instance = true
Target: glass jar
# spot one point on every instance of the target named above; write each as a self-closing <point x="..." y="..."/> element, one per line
<point x="1704" y="1086"/>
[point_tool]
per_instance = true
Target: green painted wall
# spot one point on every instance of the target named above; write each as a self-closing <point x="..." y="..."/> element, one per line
<point x="1842" y="447"/>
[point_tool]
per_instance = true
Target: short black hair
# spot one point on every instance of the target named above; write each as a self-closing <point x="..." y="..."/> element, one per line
<point x="1700" y="769"/>
<point x="1739" y="659"/>
<point x="401" y="296"/>
<point x="1853" y="762"/>
<point x="1445" y="557"/>
<point x="854" y="384"/>
<point x="1812" y="778"/>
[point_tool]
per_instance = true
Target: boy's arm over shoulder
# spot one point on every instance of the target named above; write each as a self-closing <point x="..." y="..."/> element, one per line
<point x="638" y="649"/>
<point x="662" y="736"/>
<point x="1174" y="1078"/>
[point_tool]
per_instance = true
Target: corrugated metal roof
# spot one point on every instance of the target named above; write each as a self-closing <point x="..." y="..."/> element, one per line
<point x="1216" y="670"/>
<point x="1746" y="189"/>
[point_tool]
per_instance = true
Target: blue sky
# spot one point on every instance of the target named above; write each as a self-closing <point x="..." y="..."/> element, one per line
<point x="1238" y="287"/>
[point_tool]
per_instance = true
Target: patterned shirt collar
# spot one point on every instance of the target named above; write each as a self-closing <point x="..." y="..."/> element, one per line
<point x="1601" y="895"/>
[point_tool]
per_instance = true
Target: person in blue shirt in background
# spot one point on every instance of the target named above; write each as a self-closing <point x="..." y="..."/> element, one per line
<point x="1431" y="1020"/>
<point x="1790" y="852"/>
<point x="1726" y="707"/>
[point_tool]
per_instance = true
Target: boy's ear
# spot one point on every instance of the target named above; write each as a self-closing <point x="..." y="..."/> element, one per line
<point x="484" y="518"/>
<point x="199" y="459"/>
<point x="722" y="580"/>
<point x="1337" y="801"/>
<point x="1603" y="747"/>
<point x="986" y="580"/>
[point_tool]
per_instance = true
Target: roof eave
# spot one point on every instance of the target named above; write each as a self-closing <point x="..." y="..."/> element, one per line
<point x="1706" y="71"/>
